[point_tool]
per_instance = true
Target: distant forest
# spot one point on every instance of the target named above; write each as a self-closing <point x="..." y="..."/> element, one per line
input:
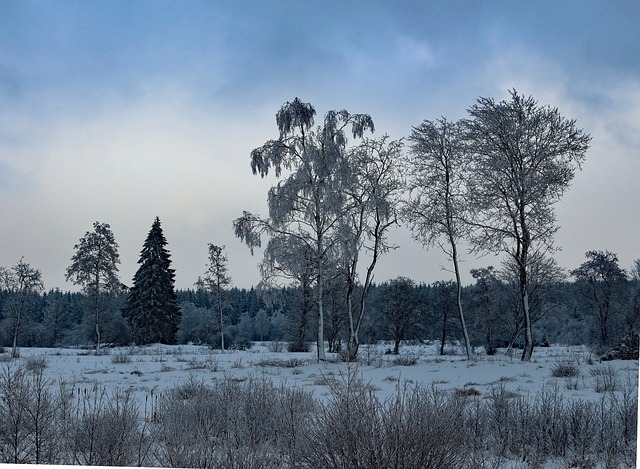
<point x="566" y="312"/>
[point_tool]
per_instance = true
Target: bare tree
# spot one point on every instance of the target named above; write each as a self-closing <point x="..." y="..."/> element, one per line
<point x="372" y="185"/>
<point x="215" y="280"/>
<point x="22" y="281"/>
<point x="524" y="158"/>
<point x="95" y="266"/>
<point x="307" y="204"/>
<point x="437" y="207"/>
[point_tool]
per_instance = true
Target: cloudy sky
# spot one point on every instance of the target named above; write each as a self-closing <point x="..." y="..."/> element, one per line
<point x="119" y="111"/>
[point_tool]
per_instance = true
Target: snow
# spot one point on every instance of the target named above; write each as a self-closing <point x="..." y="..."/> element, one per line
<point x="150" y="370"/>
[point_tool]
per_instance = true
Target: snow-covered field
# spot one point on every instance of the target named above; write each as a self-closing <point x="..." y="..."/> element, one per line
<point x="151" y="370"/>
<point x="575" y="411"/>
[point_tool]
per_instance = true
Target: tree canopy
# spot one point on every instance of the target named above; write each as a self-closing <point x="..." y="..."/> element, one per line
<point x="524" y="156"/>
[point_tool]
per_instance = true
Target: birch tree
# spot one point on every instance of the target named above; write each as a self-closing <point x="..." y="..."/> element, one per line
<point x="524" y="158"/>
<point x="94" y="266"/>
<point x="216" y="279"/>
<point x="306" y="204"/>
<point x="372" y="186"/>
<point x="21" y="281"/>
<point x="437" y="207"/>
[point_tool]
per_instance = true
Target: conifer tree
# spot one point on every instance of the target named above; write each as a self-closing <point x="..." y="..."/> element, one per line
<point x="152" y="306"/>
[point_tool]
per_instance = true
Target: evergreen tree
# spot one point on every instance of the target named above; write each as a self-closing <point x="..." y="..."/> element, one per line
<point x="152" y="307"/>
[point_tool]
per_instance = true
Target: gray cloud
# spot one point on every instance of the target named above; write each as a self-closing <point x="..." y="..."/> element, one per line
<point x="120" y="114"/>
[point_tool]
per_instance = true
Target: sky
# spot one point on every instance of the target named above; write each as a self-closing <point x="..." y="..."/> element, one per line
<point x="121" y="111"/>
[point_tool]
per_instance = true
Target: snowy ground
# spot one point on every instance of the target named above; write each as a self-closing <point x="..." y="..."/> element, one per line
<point x="149" y="371"/>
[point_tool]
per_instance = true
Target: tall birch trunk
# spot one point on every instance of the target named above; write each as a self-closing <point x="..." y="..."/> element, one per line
<point x="97" y="312"/>
<point x="320" y="293"/>
<point x="16" y="328"/>
<point x="465" y="333"/>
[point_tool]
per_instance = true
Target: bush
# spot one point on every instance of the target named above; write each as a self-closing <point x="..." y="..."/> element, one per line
<point x="278" y="363"/>
<point x="106" y="430"/>
<point x="230" y="423"/>
<point x="405" y="360"/>
<point x="298" y="347"/>
<point x="276" y="346"/>
<point x="419" y="427"/>
<point x="606" y="378"/>
<point x="565" y="370"/>
<point x="35" y="364"/>
<point x="255" y="424"/>
<point x="120" y="358"/>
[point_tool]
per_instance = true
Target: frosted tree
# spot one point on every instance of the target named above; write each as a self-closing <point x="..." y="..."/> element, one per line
<point x="216" y="279"/>
<point x="94" y="266"/>
<point x="372" y="184"/>
<point x="152" y="305"/>
<point x="307" y="204"/>
<point x="524" y="158"/>
<point x="437" y="207"/>
<point x="22" y="281"/>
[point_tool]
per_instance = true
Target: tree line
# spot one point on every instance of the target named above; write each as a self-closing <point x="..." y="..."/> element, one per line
<point x="490" y="180"/>
<point x="598" y="307"/>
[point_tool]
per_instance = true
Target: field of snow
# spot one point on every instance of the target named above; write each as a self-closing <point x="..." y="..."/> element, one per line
<point x="151" y="370"/>
<point x="419" y="408"/>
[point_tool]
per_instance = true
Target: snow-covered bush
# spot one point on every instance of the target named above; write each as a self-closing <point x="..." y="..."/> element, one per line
<point x="418" y="427"/>
<point x="565" y="369"/>
<point x="243" y="421"/>
<point x="199" y="424"/>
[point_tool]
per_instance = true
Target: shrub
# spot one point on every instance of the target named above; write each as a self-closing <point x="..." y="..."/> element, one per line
<point x="565" y="370"/>
<point x="230" y="424"/>
<point x="606" y="378"/>
<point x="405" y="360"/>
<point x="35" y="364"/>
<point x="276" y="346"/>
<point x="106" y="431"/>
<point x="278" y="363"/>
<point x="120" y="358"/>
<point x="298" y="347"/>
<point x="419" y="427"/>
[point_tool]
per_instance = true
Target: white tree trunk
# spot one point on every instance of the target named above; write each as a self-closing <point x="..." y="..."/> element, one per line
<point x="528" y="336"/>
<point x="467" y="342"/>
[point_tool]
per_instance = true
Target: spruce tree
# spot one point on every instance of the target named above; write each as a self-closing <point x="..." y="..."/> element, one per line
<point x="152" y="306"/>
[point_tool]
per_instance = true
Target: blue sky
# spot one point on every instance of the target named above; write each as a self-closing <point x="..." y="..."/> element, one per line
<point x="119" y="111"/>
